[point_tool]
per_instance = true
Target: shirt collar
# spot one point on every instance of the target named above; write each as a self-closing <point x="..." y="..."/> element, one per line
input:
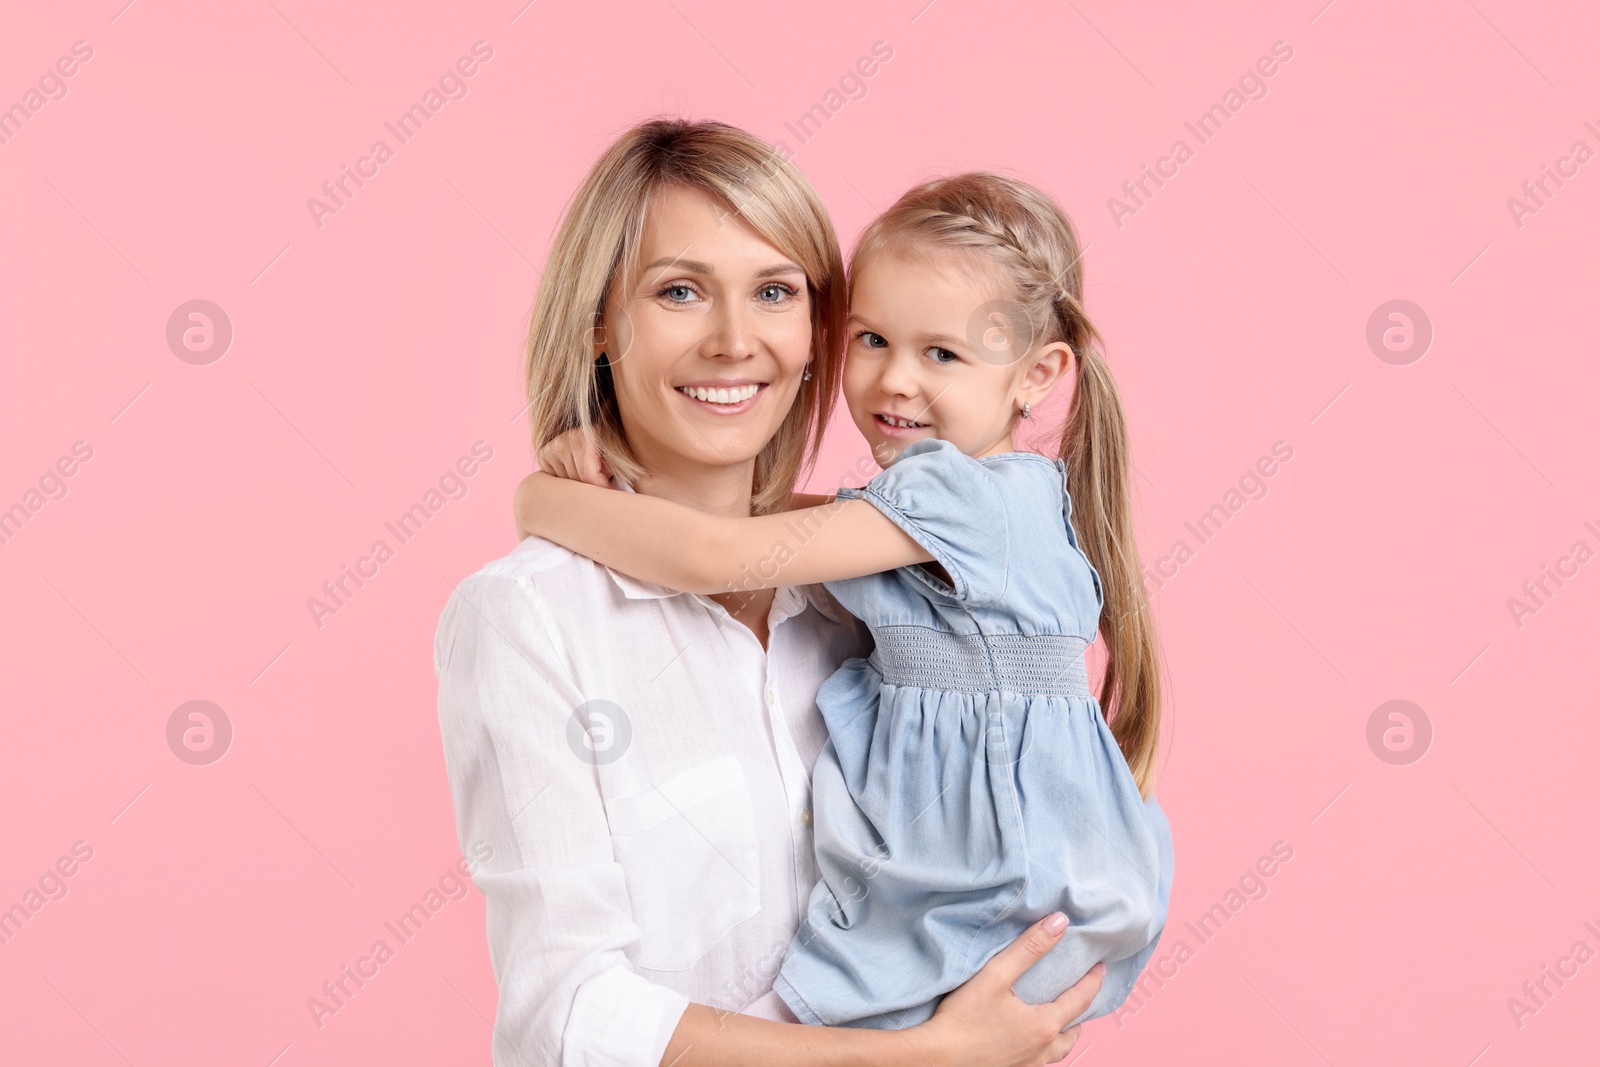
<point x="634" y="589"/>
<point x="790" y="599"/>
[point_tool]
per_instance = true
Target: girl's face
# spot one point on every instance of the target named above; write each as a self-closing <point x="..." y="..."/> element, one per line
<point x="934" y="353"/>
<point x="708" y="346"/>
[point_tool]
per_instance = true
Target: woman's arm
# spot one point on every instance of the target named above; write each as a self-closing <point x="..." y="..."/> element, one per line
<point x="982" y="1023"/>
<point x="568" y="991"/>
<point x="506" y="695"/>
<point x="676" y="546"/>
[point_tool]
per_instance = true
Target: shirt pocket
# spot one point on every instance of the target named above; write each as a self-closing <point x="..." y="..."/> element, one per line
<point x="688" y="851"/>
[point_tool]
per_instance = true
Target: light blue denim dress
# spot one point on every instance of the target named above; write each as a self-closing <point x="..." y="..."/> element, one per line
<point x="970" y="785"/>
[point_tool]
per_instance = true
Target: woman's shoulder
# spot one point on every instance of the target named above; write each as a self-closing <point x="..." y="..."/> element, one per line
<point x="532" y="556"/>
<point x="502" y="594"/>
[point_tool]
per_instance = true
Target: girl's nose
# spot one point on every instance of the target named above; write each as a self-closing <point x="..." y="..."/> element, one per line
<point x="897" y="377"/>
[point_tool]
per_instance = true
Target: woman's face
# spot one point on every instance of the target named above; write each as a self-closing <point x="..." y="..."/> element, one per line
<point x="708" y="346"/>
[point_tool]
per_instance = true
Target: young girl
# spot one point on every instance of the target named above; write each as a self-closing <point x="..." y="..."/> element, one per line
<point x="971" y="783"/>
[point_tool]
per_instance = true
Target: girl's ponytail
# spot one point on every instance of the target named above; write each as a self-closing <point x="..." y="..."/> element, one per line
<point x="1094" y="444"/>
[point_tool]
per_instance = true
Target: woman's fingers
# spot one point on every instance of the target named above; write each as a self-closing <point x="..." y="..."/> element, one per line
<point x="1007" y="966"/>
<point x="1075" y="1001"/>
<point x="1061" y="1046"/>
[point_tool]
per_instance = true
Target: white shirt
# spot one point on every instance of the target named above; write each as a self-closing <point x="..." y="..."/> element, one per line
<point x="660" y="856"/>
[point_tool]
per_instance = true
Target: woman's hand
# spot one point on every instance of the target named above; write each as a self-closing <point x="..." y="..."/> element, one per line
<point x="574" y="455"/>
<point x="980" y="1024"/>
<point x="984" y="1021"/>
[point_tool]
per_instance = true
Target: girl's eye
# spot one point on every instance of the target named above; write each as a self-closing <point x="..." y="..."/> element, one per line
<point x="774" y="293"/>
<point x="676" y="293"/>
<point x="942" y="355"/>
<point x="871" y="340"/>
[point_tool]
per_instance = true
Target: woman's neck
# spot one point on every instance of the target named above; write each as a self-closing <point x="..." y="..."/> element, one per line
<point x="722" y="490"/>
<point x="713" y="490"/>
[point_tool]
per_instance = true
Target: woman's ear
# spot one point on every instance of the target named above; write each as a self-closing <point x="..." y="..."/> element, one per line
<point x="1052" y="362"/>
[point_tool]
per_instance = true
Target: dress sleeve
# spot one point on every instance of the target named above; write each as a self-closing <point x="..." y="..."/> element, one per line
<point x="557" y="911"/>
<point x="950" y="504"/>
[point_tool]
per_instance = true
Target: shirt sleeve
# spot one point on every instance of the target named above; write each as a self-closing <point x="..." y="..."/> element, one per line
<point x="557" y="910"/>
<point x="949" y="504"/>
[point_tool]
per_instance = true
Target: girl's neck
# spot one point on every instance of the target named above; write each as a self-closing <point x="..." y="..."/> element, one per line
<point x="1005" y="444"/>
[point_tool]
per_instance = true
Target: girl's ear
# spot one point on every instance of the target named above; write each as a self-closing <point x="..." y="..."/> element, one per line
<point x="1054" y="361"/>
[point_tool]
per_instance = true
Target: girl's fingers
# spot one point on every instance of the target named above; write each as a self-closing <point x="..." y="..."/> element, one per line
<point x="549" y="458"/>
<point x="594" y="472"/>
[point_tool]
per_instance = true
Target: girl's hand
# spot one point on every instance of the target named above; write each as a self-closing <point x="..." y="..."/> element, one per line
<point x="574" y="455"/>
<point x="984" y="1021"/>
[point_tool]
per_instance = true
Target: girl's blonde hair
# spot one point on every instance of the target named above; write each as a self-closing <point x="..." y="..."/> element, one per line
<point x="1031" y="247"/>
<point x="598" y="244"/>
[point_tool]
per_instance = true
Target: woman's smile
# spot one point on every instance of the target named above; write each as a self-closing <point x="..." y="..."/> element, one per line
<point x="723" y="396"/>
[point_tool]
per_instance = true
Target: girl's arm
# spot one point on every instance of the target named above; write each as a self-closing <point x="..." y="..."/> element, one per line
<point x="676" y="546"/>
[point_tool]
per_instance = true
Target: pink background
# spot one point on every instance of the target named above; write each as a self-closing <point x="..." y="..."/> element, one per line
<point x="368" y="354"/>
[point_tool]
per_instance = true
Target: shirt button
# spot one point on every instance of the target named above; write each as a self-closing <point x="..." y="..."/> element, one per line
<point x="805" y="816"/>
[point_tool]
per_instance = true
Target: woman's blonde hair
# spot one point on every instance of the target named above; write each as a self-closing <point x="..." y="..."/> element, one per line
<point x="1032" y="249"/>
<point x="599" y="238"/>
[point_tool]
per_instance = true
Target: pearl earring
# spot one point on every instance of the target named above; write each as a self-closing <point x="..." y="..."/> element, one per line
<point x="807" y="376"/>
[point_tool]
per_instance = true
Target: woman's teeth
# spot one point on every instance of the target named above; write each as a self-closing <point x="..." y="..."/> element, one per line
<point x="737" y="394"/>
<point x="904" y="424"/>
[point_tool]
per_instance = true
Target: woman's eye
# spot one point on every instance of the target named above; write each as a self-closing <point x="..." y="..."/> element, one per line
<point x="942" y="355"/>
<point x="775" y="293"/>
<point x="872" y="340"/>
<point x="677" y="294"/>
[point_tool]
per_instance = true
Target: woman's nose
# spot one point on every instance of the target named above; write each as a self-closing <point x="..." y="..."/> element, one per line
<point x="735" y="333"/>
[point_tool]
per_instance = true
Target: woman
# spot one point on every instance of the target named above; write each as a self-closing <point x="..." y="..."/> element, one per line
<point x="639" y="759"/>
